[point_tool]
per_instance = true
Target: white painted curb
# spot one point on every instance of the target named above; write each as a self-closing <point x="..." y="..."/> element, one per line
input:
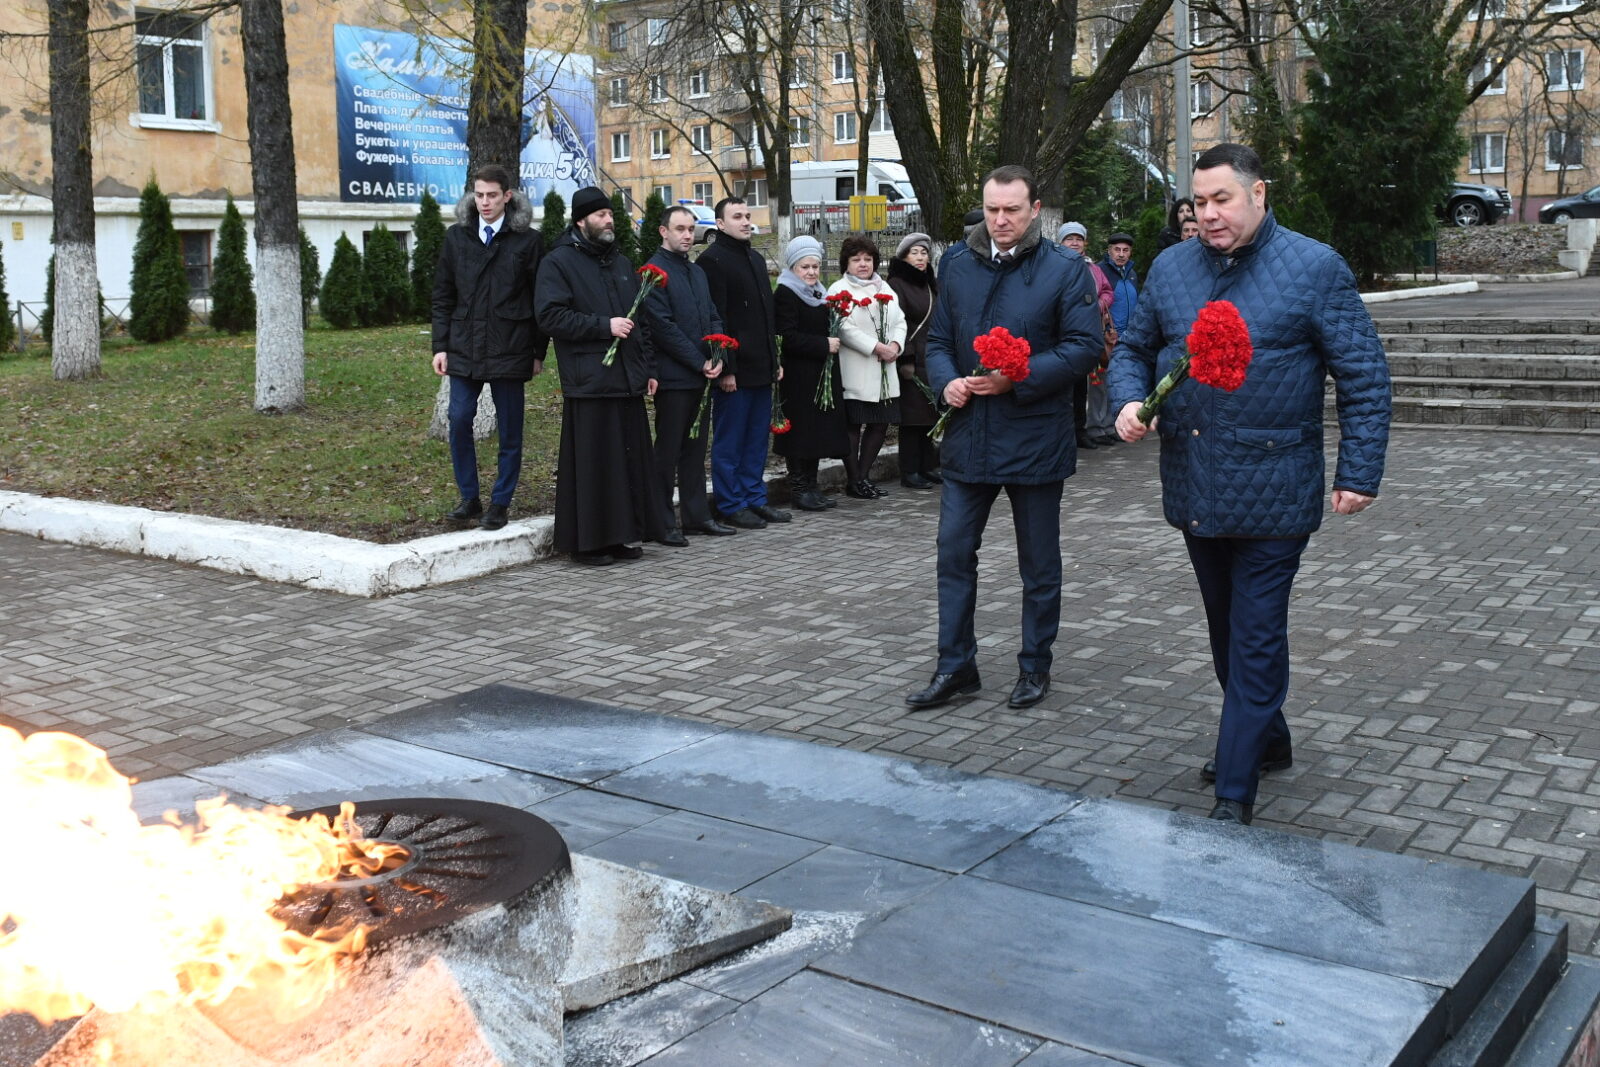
<point x="299" y="557"/>
<point x="1415" y="294"/>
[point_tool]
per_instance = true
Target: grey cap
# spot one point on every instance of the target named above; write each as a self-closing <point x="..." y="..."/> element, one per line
<point x="1119" y="239"/>
<point x="800" y="248"/>
<point x="973" y="217"/>
<point x="1071" y="229"/>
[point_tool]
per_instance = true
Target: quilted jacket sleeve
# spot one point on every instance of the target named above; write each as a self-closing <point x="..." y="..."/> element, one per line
<point x="1355" y="359"/>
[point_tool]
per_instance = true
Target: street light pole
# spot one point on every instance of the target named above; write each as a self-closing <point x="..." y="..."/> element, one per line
<point x="1183" y="149"/>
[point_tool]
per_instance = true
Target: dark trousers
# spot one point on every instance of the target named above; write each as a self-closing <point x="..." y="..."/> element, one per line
<point x="741" y="427"/>
<point x="1245" y="584"/>
<point x="963" y="513"/>
<point x="508" y="409"/>
<point x="916" y="451"/>
<point x="680" y="459"/>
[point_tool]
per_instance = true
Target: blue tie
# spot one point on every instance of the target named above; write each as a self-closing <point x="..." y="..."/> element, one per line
<point x="488" y="234"/>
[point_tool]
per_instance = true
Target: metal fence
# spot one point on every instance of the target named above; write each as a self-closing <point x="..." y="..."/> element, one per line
<point x="114" y="317"/>
<point x="820" y="220"/>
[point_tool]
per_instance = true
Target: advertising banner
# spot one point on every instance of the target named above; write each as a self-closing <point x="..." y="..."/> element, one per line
<point x="402" y="108"/>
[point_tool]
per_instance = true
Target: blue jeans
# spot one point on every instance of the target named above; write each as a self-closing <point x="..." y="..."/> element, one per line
<point x="1245" y="583"/>
<point x="741" y="428"/>
<point x="963" y="514"/>
<point x="508" y="410"/>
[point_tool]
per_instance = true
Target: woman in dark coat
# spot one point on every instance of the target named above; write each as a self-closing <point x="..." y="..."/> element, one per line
<point x="1181" y="209"/>
<point x="803" y="325"/>
<point x="911" y="278"/>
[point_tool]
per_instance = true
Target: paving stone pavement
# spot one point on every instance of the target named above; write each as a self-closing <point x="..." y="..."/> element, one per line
<point x="1446" y="657"/>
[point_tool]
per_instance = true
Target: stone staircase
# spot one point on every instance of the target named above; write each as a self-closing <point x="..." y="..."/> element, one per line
<point x="1506" y="374"/>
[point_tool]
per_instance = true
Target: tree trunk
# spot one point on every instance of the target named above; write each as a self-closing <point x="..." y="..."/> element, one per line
<point x="483" y="424"/>
<point x="494" y="111"/>
<point x="75" y="343"/>
<point x="926" y="161"/>
<point x="280" y="329"/>
<point x="1028" y="63"/>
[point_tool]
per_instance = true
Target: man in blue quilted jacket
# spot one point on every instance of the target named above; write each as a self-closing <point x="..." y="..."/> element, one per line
<point x="1242" y="472"/>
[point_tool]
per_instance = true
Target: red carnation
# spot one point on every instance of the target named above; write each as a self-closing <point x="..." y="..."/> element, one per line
<point x="650" y="276"/>
<point x="883" y="298"/>
<point x="1216" y="353"/>
<point x="863" y="303"/>
<point x="781" y="426"/>
<point x="721" y="340"/>
<point x="650" y="271"/>
<point x="998" y="350"/>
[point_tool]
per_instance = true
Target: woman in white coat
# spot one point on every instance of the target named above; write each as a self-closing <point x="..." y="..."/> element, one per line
<point x="871" y="339"/>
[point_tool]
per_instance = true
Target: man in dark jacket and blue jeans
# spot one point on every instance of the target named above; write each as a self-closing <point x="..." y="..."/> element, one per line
<point x="681" y="315"/>
<point x="484" y="331"/>
<point x="1015" y="436"/>
<point x="1242" y="472"/>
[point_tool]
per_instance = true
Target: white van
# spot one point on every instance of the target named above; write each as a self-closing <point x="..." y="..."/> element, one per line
<point x="821" y="193"/>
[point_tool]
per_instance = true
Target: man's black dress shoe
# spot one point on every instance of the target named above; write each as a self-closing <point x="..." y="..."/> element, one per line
<point x="771" y="514"/>
<point x="711" y="528"/>
<point x="1280" y="759"/>
<point x="943" y="687"/>
<point x="597" y="558"/>
<point x="626" y="551"/>
<point x="673" y="539"/>
<point x="915" y="480"/>
<point x="811" y="500"/>
<point x="745" y="519"/>
<point x="1086" y="442"/>
<point x="1030" y="689"/>
<point x="1107" y="439"/>
<point x="934" y="476"/>
<point x="466" y="511"/>
<point x="495" y="517"/>
<point x="1233" y="811"/>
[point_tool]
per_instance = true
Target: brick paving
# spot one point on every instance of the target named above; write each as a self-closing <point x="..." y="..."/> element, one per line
<point x="1446" y="657"/>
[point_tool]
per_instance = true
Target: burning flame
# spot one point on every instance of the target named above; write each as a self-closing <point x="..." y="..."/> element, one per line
<point x="98" y="911"/>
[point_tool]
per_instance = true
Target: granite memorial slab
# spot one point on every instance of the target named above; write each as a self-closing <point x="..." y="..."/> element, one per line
<point x="178" y="793"/>
<point x="921" y="814"/>
<point x="573" y="740"/>
<point x="320" y="769"/>
<point x="634" y="1028"/>
<point x="1369" y="909"/>
<point x="748" y="974"/>
<point x="587" y="817"/>
<point x="1051" y="1054"/>
<point x="844" y="880"/>
<point x="813" y="1019"/>
<point x="1134" y="989"/>
<point x="714" y="853"/>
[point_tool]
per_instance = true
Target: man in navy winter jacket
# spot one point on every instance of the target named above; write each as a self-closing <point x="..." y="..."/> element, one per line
<point x="1242" y="472"/>
<point x="1015" y="436"/>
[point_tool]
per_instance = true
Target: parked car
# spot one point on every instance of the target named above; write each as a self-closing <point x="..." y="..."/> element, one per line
<point x="1476" y="205"/>
<point x="1585" y="205"/>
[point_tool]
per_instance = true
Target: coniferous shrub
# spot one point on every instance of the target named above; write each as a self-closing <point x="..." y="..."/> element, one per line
<point x="310" y="276"/>
<point x="555" y="219"/>
<point x="650" y="228"/>
<point x="627" y="240"/>
<point x="427" y="237"/>
<point x="344" y="300"/>
<point x="388" y="285"/>
<point x="233" y="298"/>
<point x="159" y="307"/>
<point x="8" y="329"/>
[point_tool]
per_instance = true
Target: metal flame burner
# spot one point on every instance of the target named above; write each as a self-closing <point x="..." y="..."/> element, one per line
<point x="461" y="856"/>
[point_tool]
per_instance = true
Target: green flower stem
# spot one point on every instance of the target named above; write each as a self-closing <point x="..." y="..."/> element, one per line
<point x="1153" y="402"/>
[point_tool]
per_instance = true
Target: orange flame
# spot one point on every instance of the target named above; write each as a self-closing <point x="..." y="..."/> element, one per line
<point x="99" y="911"/>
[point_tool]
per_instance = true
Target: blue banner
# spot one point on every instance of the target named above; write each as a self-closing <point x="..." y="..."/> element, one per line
<point x="402" y="108"/>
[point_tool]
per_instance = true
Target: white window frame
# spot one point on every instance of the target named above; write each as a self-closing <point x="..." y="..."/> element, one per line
<point x="1483" y="152"/>
<point x="699" y="83"/>
<point x="1487" y="10"/>
<point x="655" y="32"/>
<point x="799" y="131"/>
<point x="844" y="62"/>
<point x="1200" y="103"/>
<point x="616" y="36"/>
<point x="1496" y="87"/>
<point x="1566" y="136"/>
<point x="844" y="122"/>
<point x="621" y="146"/>
<point x="754" y="193"/>
<point x="882" y="122"/>
<point x="658" y="88"/>
<point x="617" y="93"/>
<point x="1566" y="84"/>
<point x="1563" y="5"/>
<point x="700" y="138"/>
<point x="168" y="120"/>
<point x="661" y="143"/>
<point x="799" y="72"/>
<point x="703" y="191"/>
<point x="664" y="191"/>
<point x="839" y="10"/>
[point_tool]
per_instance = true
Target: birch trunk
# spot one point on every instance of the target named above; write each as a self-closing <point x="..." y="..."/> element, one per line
<point x="75" y="343"/>
<point x="483" y="424"/>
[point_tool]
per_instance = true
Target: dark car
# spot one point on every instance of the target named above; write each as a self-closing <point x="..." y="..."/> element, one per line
<point x="1476" y="205"/>
<point x="1585" y="205"/>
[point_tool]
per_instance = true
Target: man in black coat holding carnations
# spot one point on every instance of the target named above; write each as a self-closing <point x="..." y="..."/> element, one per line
<point x="607" y="501"/>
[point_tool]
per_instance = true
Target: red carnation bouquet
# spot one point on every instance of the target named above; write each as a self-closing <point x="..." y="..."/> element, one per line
<point x="1216" y="353"/>
<point x="780" y="421"/>
<point x="840" y="305"/>
<point x="999" y="352"/>
<point x="722" y="343"/>
<point x="650" y="276"/>
<point x="883" y="300"/>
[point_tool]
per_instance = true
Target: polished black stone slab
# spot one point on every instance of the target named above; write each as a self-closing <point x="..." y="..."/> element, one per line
<point x="812" y="1019"/>
<point x="920" y="814"/>
<point x="586" y="817"/>
<point x="326" y="768"/>
<point x="703" y="851"/>
<point x="1135" y="989"/>
<point x="573" y="740"/>
<point x="1381" y="912"/>
<point x="842" y="880"/>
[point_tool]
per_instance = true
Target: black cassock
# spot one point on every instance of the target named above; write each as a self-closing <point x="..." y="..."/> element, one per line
<point x="605" y="485"/>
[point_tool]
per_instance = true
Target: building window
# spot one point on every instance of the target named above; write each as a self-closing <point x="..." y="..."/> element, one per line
<point x="655" y="32"/>
<point x="1128" y="105"/>
<point x="844" y="67"/>
<point x="799" y="73"/>
<point x="617" y="37"/>
<point x="1498" y="85"/>
<point x="621" y="147"/>
<point x="799" y="131"/>
<point x="699" y="83"/>
<point x="174" y="67"/>
<point x="663" y="191"/>
<point x="1487" y="9"/>
<point x="660" y="144"/>
<point x="744" y="133"/>
<point x="1563" y="5"/>
<point x="1488" y="153"/>
<point x="196" y="260"/>
<point x="700" y="138"/>
<point x="1199" y="98"/>
<point x="1247" y="104"/>
<point x="754" y="193"/>
<point x="1564" y="68"/>
<point x="658" y="88"/>
<point x="844" y="128"/>
<point x="839" y="10"/>
<point x="1563" y="149"/>
<point x="618" y="96"/>
<point x="881" y="122"/>
<point x="702" y="192"/>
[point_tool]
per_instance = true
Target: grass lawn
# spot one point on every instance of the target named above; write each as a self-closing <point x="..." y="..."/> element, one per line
<point x="170" y="427"/>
